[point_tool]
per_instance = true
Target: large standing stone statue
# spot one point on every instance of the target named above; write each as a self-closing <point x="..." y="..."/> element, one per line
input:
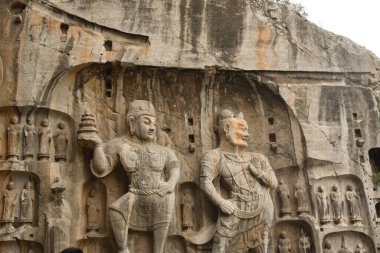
<point x="9" y="203"/>
<point x="187" y="203"/>
<point x="149" y="204"/>
<point x="27" y="200"/>
<point x="301" y="198"/>
<point x="14" y="131"/>
<point x="60" y="142"/>
<point x="323" y="205"/>
<point x="337" y="204"/>
<point x="353" y="204"/>
<point x="283" y="193"/>
<point x="58" y="220"/>
<point x="45" y="139"/>
<point x="248" y="212"/>
<point x="29" y="139"/>
<point x="284" y="243"/>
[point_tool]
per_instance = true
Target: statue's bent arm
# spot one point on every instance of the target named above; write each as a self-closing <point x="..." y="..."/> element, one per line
<point x="268" y="178"/>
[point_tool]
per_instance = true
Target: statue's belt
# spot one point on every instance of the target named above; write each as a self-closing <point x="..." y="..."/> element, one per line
<point x="247" y="214"/>
<point x="146" y="192"/>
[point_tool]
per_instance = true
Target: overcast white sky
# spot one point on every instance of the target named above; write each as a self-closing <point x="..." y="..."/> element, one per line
<point x="357" y="20"/>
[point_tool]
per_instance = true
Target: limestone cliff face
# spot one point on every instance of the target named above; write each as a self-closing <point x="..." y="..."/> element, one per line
<point x="310" y="98"/>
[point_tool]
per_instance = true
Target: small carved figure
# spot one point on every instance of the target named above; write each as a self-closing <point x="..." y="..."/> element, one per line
<point x="323" y="205"/>
<point x="14" y="131"/>
<point x="327" y="247"/>
<point x="187" y="203"/>
<point x="9" y="203"/>
<point x="283" y="193"/>
<point x="284" y="244"/>
<point x="60" y="142"/>
<point x="45" y="139"/>
<point x="248" y="213"/>
<point x="58" y="219"/>
<point x="337" y="204"/>
<point x="27" y="200"/>
<point x="93" y="211"/>
<point x="344" y="248"/>
<point x="360" y="248"/>
<point x="150" y="201"/>
<point x="29" y="139"/>
<point x="353" y="204"/>
<point x="304" y="243"/>
<point x="301" y="198"/>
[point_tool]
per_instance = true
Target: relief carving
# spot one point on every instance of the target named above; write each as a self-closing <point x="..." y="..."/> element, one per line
<point x="337" y="204"/>
<point x="283" y="193"/>
<point x="14" y="131"/>
<point x="29" y="139"/>
<point x="301" y="198"/>
<point x="60" y="142"/>
<point x="58" y="219"/>
<point x="304" y="243"/>
<point x="93" y="211"/>
<point x="353" y="205"/>
<point x="149" y="203"/>
<point x="9" y="203"/>
<point x="284" y="243"/>
<point x="187" y="204"/>
<point x="323" y="205"/>
<point x="27" y="200"/>
<point x="44" y="140"/>
<point x="248" y="212"/>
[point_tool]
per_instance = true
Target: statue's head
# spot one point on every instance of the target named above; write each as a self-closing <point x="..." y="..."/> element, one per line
<point x="28" y="185"/>
<point x="45" y="123"/>
<point x="14" y="119"/>
<point x="320" y="188"/>
<point x="11" y="185"/>
<point x="349" y="187"/>
<point x="283" y="234"/>
<point x="335" y="188"/>
<point x="233" y="128"/>
<point x="141" y="118"/>
<point x="327" y="245"/>
<point x="29" y="121"/>
<point x="61" y="125"/>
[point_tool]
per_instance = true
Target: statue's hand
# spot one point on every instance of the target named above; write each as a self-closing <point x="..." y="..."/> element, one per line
<point x="165" y="188"/>
<point x="254" y="170"/>
<point x="227" y="206"/>
<point x="89" y="140"/>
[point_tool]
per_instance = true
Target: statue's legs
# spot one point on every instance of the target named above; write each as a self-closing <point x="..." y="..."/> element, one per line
<point x="120" y="220"/>
<point x="159" y="238"/>
<point x="220" y="244"/>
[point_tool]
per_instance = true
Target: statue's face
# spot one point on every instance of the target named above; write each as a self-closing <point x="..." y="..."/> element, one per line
<point x="146" y="128"/>
<point x="14" y="120"/>
<point x="45" y="123"/>
<point x="237" y="132"/>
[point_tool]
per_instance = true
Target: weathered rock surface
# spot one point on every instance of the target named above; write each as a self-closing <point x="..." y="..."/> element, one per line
<point x="309" y="97"/>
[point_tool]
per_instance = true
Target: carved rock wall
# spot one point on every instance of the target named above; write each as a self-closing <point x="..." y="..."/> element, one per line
<point x="309" y="97"/>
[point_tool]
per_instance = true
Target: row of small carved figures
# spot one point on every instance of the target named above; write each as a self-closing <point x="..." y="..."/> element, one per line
<point x="29" y="133"/>
<point x="327" y="248"/>
<point x="335" y="202"/>
<point x="10" y="195"/>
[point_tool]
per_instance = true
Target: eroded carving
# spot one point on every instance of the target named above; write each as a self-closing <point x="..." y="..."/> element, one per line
<point x="353" y="205"/>
<point x="323" y="205"/>
<point x="284" y="196"/>
<point x="187" y="203"/>
<point x="337" y="204"/>
<point x="344" y="248"/>
<point x="304" y="243"/>
<point x="301" y="198"/>
<point x="284" y="243"/>
<point x="29" y="139"/>
<point x="14" y="131"/>
<point x="44" y="140"/>
<point x="248" y="176"/>
<point x="93" y="211"/>
<point x="60" y="142"/>
<point x="58" y="219"/>
<point x="149" y="204"/>
<point x="9" y="203"/>
<point x="27" y="200"/>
